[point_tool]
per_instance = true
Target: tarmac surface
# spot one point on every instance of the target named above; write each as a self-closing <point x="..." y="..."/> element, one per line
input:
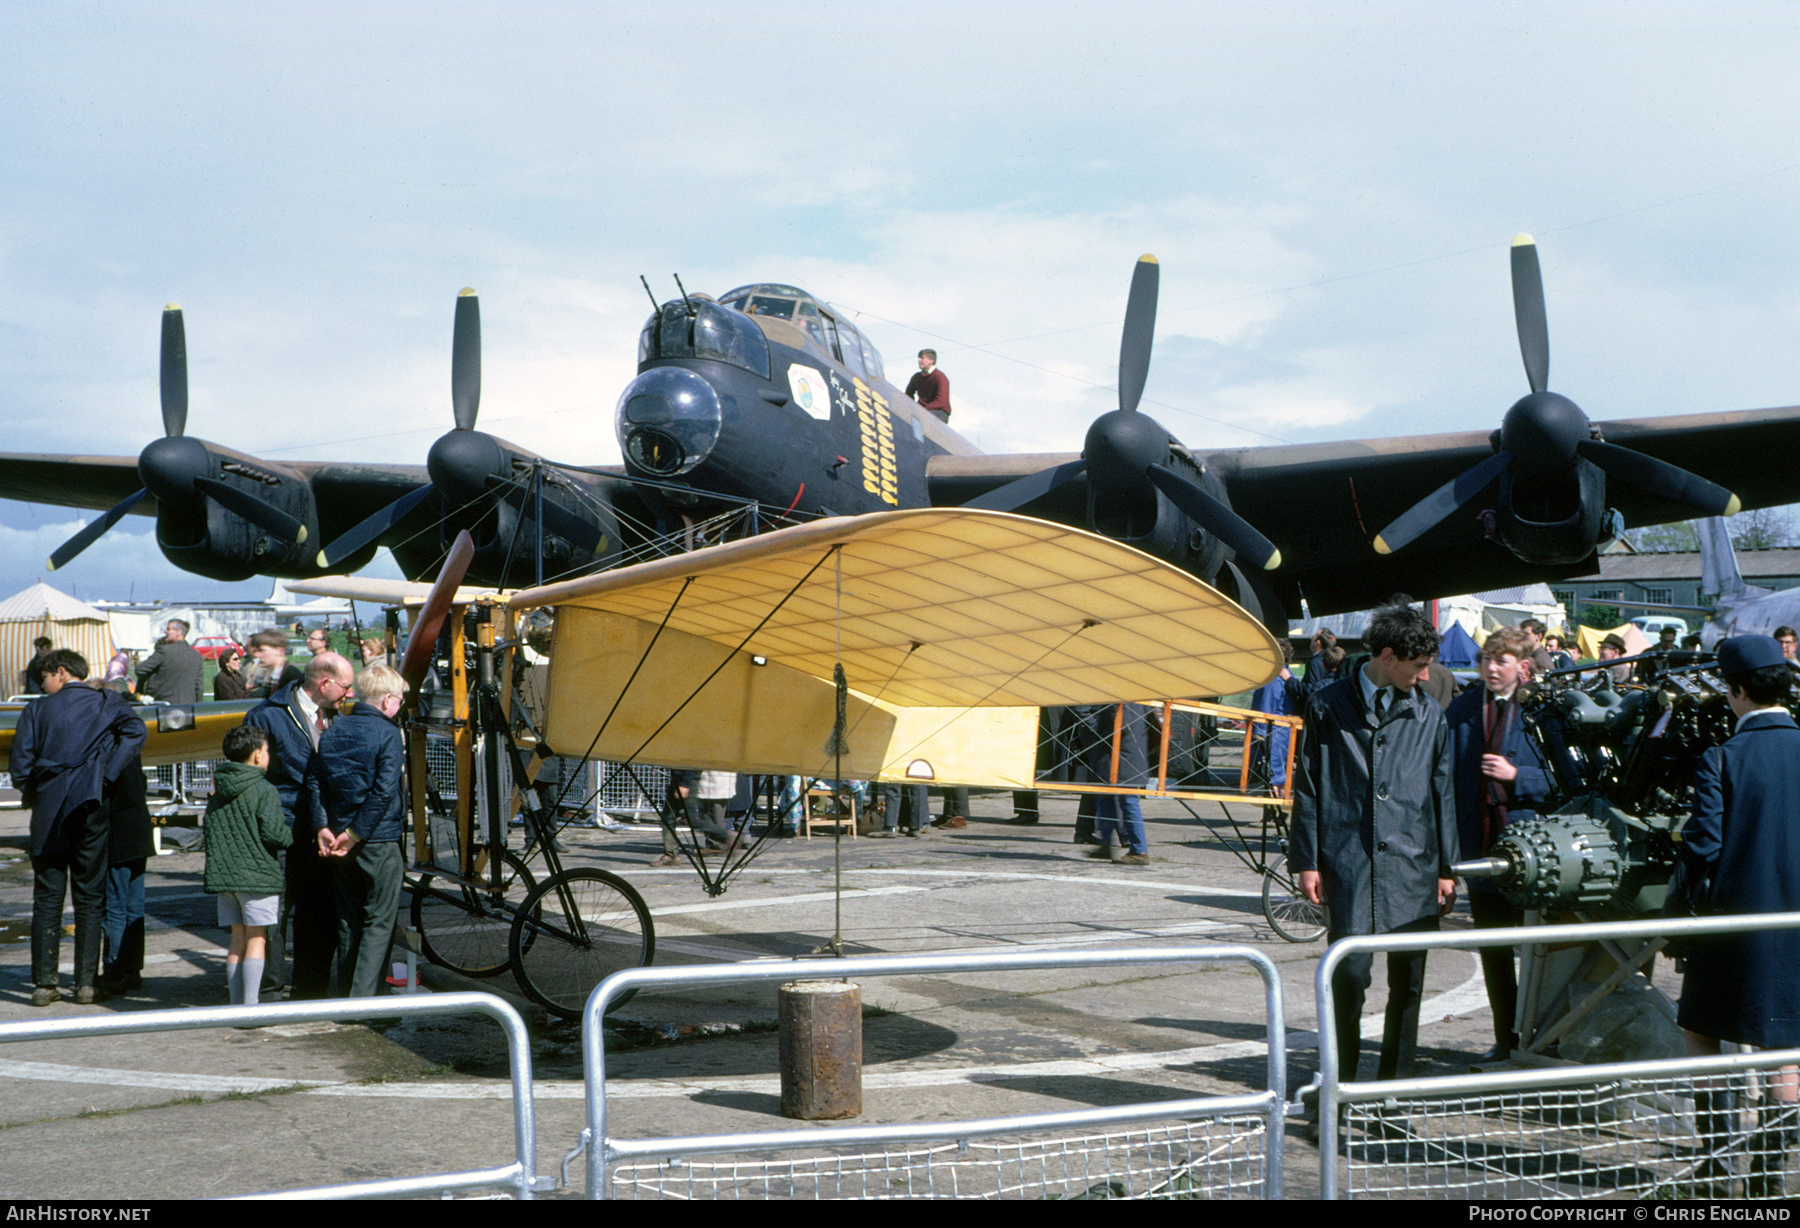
<point x="220" y="1111"/>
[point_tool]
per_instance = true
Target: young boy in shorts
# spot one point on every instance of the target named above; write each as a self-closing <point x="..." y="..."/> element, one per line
<point x="244" y="830"/>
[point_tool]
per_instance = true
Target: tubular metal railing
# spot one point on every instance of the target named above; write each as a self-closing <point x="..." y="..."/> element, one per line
<point x="1622" y="1129"/>
<point x="1157" y="1163"/>
<point x="520" y="1175"/>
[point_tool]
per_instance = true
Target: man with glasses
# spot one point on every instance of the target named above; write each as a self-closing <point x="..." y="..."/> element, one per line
<point x="295" y="717"/>
<point x="1789" y="640"/>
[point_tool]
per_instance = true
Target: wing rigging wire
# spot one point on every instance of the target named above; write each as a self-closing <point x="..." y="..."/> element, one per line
<point x="714" y="885"/>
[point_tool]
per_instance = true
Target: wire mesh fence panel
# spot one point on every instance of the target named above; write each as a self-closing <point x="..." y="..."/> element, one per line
<point x="1663" y="1138"/>
<point x="197" y="777"/>
<point x="440" y="760"/>
<point x="623" y="789"/>
<point x="1213" y="1158"/>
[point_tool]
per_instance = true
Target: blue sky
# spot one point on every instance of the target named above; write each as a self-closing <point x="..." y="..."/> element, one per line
<point x="1331" y="189"/>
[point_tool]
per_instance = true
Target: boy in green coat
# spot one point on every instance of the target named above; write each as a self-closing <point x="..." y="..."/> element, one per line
<point x="244" y="830"/>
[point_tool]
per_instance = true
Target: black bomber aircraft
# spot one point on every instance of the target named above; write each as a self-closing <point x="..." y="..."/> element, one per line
<point x="768" y="401"/>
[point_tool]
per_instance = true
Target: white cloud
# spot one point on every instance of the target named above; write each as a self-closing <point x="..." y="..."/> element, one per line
<point x="1330" y="194"/>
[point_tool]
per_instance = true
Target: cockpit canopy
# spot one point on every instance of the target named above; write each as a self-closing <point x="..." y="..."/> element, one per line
<point x="835" y="335"/>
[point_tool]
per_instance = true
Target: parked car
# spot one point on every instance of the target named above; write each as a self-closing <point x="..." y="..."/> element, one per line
<point x="210" y="646"/>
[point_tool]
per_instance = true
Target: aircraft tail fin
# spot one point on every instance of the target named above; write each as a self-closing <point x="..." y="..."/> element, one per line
<point x="1719" y="575"/>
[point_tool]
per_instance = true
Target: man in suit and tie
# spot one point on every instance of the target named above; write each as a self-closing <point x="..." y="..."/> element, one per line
<point x="294" y="717"/>
<point x="1374" y="826"/>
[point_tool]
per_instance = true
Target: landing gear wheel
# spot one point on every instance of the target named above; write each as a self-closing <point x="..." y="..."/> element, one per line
<point x="468" y="929"/>
<point x="574" y="931"/>
<point x="1290" y="914"/>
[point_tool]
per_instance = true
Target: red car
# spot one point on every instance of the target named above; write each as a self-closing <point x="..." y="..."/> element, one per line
<point x="210" y="646"/>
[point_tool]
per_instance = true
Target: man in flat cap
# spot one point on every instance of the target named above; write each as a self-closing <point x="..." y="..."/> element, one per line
<point x="1611" y="649"/>
<point x="1740" y="848"/>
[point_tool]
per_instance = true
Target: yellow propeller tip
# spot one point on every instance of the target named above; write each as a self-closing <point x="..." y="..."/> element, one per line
<point x="49" y="564"/>
<point x="1274" y="561"/>
<point x="323" y="565"/>
<point x="1381" y="546"/>
<point x="1734" y="507"/>
<point x="1146" y="258"/>
<point x="301" y="540"/>
<point x="466" y="292"/>
<point x="1523" y="240"/>
<point x="172" y="307"/>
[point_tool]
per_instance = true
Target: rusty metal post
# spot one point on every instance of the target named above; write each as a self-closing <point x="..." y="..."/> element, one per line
<point x="1293" y="747"/>
<point x="821" y="1050"/>
<point x="1162" y="762"/>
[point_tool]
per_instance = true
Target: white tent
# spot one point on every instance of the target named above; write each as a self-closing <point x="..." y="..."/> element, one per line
<point x="1476" y="613"/>
<point x="43" y="611"/>
<point x="1480" y="613"/>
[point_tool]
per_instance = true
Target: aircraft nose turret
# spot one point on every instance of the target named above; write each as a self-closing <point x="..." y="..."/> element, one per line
<point x="669" y="420"/>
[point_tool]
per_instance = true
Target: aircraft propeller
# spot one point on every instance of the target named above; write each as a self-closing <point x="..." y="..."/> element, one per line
<point x="422" y="639"/>
<point x="1545" y="435"/>
<point x="1125" y="451"/>
<point x="466" y="464"/>
<point x="176" y="467"/>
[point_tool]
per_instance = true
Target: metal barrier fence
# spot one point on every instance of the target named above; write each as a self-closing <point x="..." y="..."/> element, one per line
<point x="521" y="1174"/>
<point x="1680" y="1127"/>
<point x="1195" y="749"/>
<point x="597" y="785"/>
<point x="1205" y="1147"/>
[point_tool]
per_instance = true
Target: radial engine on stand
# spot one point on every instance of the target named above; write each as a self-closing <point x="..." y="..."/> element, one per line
<point x="1623" y="761"/>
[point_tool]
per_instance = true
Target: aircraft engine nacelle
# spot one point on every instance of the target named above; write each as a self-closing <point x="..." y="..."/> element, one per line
<point x="1147" y="519"/>
<point x="228" y="516"/>
<point x="508" y="541"/>
<point x="516" y="510"/>
<point x="1554" y="518"/>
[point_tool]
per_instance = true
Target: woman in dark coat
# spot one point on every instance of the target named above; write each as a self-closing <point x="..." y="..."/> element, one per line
<point x="231" y="685"/>
<point x="1744" y="837"/>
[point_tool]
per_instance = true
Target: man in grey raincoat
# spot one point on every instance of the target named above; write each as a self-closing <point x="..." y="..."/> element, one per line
<point x="1374" y="828"/>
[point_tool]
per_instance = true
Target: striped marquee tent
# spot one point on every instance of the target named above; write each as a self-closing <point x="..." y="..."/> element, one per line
<point x="41" y="610"/>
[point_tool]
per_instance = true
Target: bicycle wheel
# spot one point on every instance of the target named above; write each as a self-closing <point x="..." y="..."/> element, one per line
<point x="574" y="931"/>
<point x="1290" y="914"/>
<point x="467" y="929"/>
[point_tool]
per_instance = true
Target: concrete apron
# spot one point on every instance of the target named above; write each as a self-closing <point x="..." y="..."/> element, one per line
<point x="213" y="1112"/>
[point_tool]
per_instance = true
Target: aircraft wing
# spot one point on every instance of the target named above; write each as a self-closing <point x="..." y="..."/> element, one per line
<point x="347" y="491"/>
<point x="92" y="482"/>
<point x="948" y="607"/>
<point x="951" y="626"/>
<point x="1324" y="503"/>
<point x="379" y="591"/>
